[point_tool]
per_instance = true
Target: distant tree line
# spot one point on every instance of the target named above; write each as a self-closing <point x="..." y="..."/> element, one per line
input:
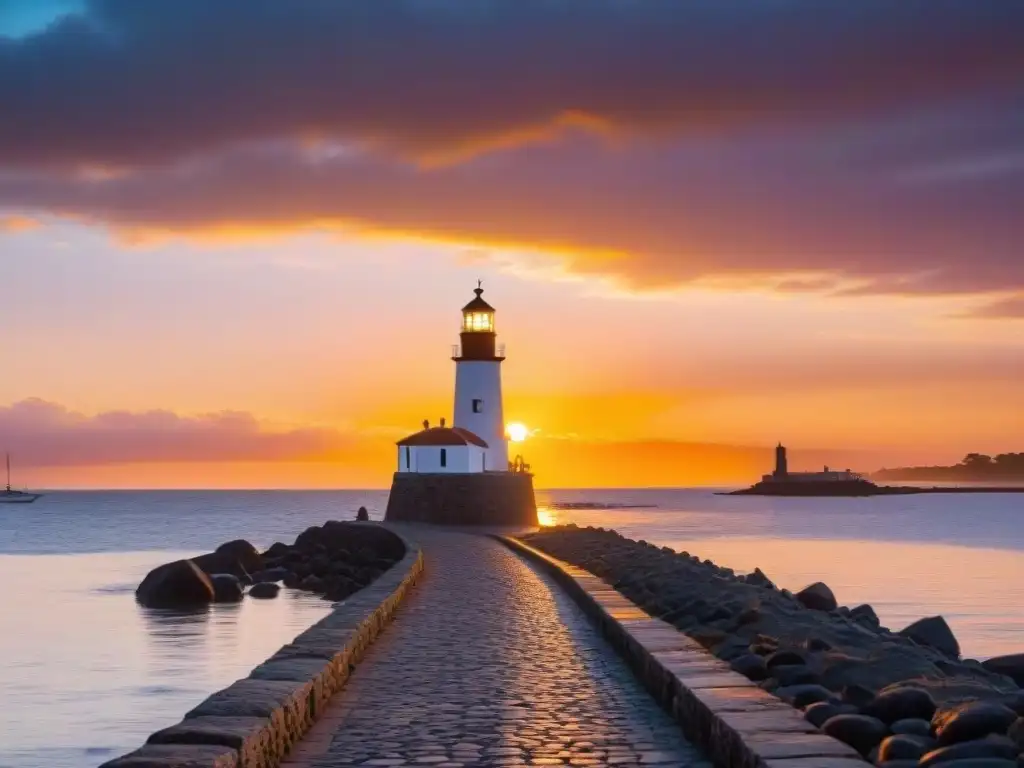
<point x="975" y="467"/>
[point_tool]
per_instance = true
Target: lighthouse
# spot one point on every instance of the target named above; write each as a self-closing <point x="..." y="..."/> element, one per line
<point x="478" y="406"/>
<point x="460" y="474"/>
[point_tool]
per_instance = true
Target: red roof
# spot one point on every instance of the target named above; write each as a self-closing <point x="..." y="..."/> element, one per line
<point x="444" y="436"/>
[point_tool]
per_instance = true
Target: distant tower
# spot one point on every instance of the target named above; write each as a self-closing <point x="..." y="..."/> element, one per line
<point x="781" y="462"/>
<point x="478" y="405"/>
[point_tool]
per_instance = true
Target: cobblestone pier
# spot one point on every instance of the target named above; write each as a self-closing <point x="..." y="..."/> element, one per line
<point x="489" y="663"/>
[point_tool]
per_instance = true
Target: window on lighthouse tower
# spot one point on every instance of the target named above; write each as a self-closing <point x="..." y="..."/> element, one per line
<point x="478" y="321"/>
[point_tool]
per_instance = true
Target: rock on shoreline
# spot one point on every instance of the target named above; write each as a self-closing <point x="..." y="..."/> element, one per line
<point x="900" y="698"/>
<point x="333" y="560"/>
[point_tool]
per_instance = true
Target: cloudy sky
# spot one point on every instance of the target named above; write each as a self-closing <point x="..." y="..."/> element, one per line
<point x="235" y="235"/>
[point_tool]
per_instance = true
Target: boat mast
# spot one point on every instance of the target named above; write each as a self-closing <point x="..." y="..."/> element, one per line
<point x="8" y="473"/>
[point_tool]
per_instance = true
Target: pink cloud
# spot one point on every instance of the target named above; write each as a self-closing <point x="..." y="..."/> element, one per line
<point x="42" y="433"/>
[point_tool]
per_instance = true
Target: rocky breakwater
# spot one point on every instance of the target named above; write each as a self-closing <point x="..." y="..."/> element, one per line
<point x="333" y="560"/>
<point x="255" y="721"/>
<point x="900" y="698"/>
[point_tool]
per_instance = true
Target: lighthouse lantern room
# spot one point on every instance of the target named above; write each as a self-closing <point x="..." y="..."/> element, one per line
<point x="478" y="405"/>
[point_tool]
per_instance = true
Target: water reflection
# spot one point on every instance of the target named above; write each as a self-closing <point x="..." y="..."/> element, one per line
<point x="94" y="673"/>
<point x="163" y="622"/>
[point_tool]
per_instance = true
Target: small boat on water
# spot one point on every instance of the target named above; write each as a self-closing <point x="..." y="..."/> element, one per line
<point x="10" y="496"/>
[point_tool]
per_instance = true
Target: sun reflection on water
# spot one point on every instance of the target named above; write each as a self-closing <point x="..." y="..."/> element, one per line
<point x="546" y="517"/>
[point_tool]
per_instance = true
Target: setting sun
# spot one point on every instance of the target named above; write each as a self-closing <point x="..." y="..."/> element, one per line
<point x="517" y="432"/>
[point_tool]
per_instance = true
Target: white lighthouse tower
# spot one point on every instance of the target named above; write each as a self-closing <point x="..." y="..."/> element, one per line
<point x="460" y="475"/>
<point x="478" y="405"/>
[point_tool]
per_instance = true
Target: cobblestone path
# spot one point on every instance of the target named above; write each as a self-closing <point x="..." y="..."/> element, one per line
<point x="488" y="663"/>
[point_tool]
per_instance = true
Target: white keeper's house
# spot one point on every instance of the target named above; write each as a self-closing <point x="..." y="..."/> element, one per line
<point x="442" y="449"/>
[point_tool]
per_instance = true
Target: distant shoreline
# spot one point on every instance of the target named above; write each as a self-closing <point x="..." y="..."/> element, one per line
<point x="973" y="468"/>
<point x="862" y="489"/>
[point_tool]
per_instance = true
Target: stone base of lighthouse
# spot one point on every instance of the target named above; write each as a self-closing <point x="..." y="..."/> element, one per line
<point x="481" y="498"/>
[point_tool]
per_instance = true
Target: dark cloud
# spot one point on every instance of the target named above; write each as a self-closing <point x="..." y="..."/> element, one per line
<point x="734" y="211"/>
<point x="859" y="147"/>
<point x="48" y="434"/>
<point x="133" y="82"/>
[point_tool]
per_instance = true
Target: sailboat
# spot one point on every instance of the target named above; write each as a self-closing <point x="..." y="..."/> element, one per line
<point x="16" y="497"/>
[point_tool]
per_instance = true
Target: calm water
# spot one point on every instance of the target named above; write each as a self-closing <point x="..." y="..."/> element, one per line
<point x="86" y="674"/>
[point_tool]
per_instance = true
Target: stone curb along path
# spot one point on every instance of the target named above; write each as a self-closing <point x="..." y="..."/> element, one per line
<point x="738" y="724"/>
<point x="255" y="721"/>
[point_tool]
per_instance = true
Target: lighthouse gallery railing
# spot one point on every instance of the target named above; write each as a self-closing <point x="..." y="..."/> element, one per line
<point x="457" y="350"/>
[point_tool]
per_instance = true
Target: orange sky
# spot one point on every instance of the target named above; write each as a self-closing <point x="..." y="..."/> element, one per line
<point x="333" y="348"/>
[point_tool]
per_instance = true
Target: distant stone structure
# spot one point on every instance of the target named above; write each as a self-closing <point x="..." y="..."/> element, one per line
<point x="461" y="475"/>
<point x="783" y="475"/>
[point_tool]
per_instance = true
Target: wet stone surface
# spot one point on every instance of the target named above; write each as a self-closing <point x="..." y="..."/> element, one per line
<point x="488" y="663"/>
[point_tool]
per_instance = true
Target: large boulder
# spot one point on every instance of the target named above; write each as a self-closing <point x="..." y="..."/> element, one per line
<point x="751" y="666"/>
<point x="276" y="550"/>
<point x="242" y="551"/>
<point x="1012" y="666"/>
<point x="861" y="732"/>
<point x="265" y="590"/>
<point x="222" y="562"/>
<point x="934" y="632"/>
<point x="180" y="584"/>
<point x="226" y="588"/>
<point x="865" y="614"/>
<point x="901" y="704"/>
<point x="817" y="597"/>
<point x="971" y="753"/>
<point x="311" y="539"/>
<point x="362" y="515"/>
<point x="801" y="696"/>
<point x="818" y="713"/>
<point x="904" y="747"/>
<point x="971" y="721"/>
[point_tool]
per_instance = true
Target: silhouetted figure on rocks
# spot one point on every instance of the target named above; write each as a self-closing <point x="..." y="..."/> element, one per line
<point x="362" y="514"/>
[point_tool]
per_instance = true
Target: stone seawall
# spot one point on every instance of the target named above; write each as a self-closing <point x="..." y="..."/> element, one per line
<point x="255" y="721"/>
<point x="735" y="722"/>
<point x="489" y="498"/>
<point x="902" y="698"/>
